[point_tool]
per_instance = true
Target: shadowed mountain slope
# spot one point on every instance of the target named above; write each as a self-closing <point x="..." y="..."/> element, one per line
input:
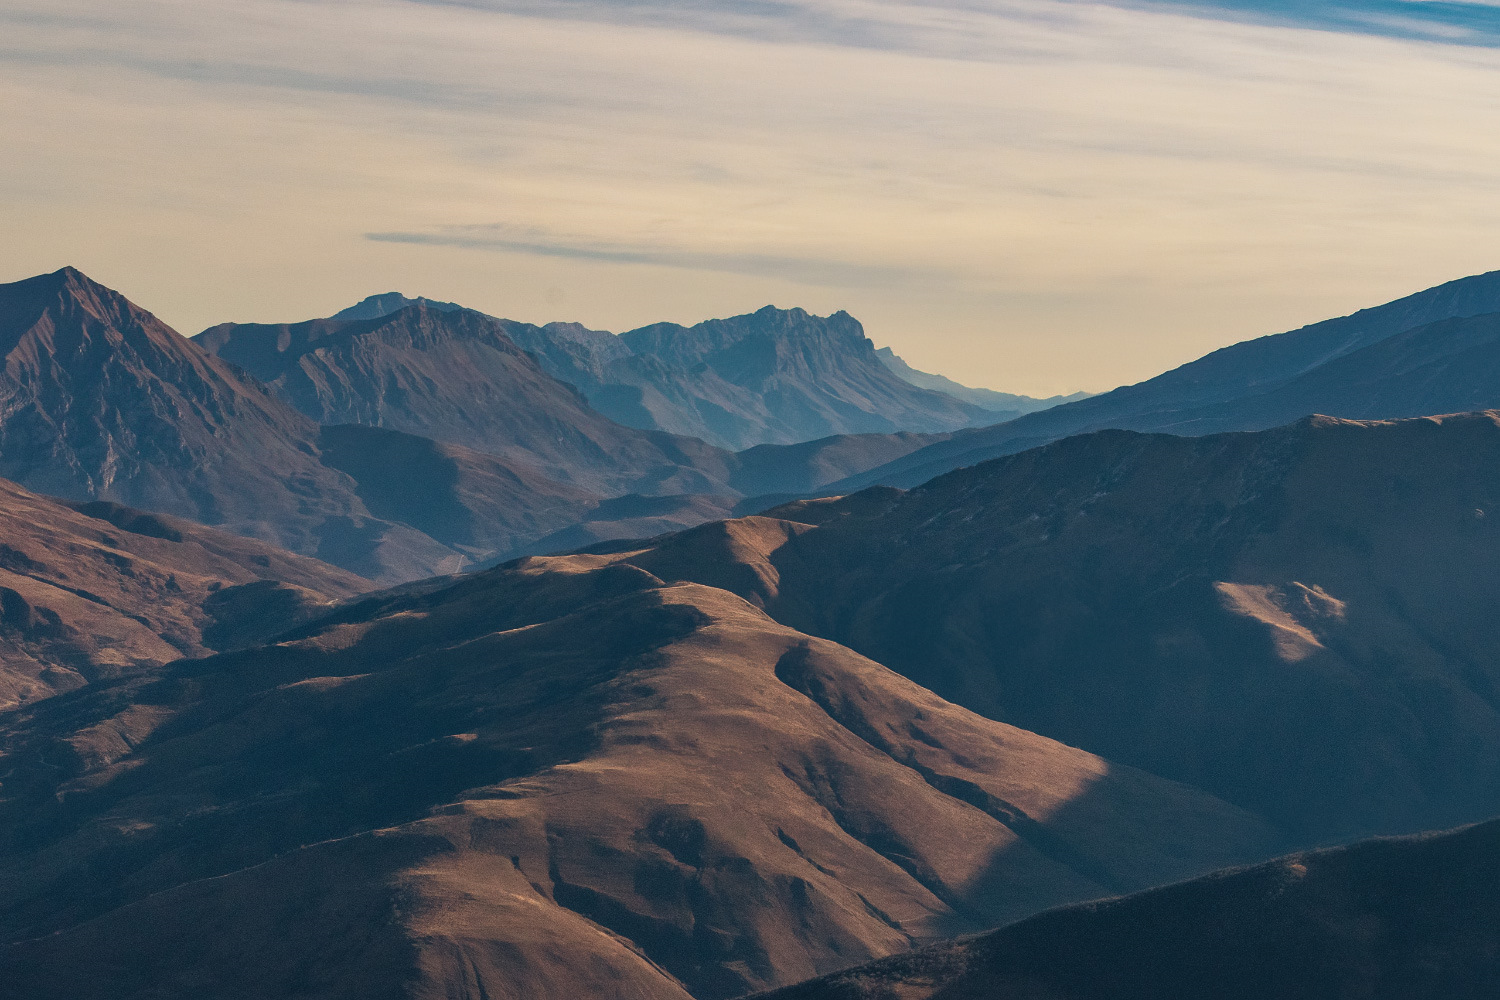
<point x="478" y="505"/>
<point x="487" y="509"/>
<point x="1450" y="366"/>
<point x="91" y="591"/>
<point x="622" y="521"/>
<point x="1402" y="919"/>
<point x="1298" y="620"/>
<point x="559" y="778"/>
<point x="1331" y="367"/>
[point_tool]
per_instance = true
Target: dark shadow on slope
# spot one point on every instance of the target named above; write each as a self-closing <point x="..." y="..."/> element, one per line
<point x="1399" y="919"/>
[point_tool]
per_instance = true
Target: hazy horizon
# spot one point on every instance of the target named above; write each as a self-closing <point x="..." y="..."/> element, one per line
<point x="1036" y="196"/>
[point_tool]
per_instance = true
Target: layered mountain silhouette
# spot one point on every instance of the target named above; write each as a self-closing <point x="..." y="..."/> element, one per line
<point x="1407" y="358"/>
<point x="565" y="777"/>
<point x="776" y="376"/>
<point x="1401" y="919"/>
<point x="703" y="759"/>
<point x="417" y="442"/>
<point x="1297" y="620"/>
<point x="454" y="375"/>
<point x="93" y="591"/>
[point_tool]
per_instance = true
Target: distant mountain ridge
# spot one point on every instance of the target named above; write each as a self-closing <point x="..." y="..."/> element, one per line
<point x="1261" y="383"/>
<point x="377" y="306"/>
<point x="457" y="376"/>
<point x="99" y="400"/>
<point x="776" y="376"/>
<point x="782" y="376"/>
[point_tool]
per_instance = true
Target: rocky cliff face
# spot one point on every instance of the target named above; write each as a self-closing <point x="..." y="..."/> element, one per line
<point x="782" y="376"/>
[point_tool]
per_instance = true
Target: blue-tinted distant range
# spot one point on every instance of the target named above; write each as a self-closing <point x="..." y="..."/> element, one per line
<point x="1035" y="196"/>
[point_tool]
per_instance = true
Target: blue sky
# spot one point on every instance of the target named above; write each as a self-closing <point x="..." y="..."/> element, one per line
<point x="1039" y="195"/>
<point x="1462" y="23"/>
<point x="1449" y="22"/>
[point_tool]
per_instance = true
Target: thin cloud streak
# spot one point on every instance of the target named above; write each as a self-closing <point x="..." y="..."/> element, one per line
<point x="1062" y="195"/>
<point x="955" y="28"/>
<point x="820" y="272"/>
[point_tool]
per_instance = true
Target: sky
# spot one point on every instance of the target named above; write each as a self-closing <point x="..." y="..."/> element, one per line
<point x="1039" y="196"/>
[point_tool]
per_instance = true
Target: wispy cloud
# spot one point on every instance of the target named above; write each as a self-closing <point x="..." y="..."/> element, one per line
<point x="956" y="27"/>
<point x="1048" y="194"/>
<point x="532" y="241"/>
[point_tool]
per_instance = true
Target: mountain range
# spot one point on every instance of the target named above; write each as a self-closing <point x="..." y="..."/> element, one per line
<point x="99" y="400"/>
<point x="674" y="769"/>
<point x="776" y="376"/>
<point x="454" y="375"/>
<point x="294" y="701"/>
<point x="416" y="442"/>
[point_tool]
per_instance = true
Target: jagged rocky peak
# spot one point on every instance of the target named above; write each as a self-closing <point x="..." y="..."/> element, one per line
<point x="688" y="345"/>
<point x="376" y="306"/>
<point x="100" y="400"/>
